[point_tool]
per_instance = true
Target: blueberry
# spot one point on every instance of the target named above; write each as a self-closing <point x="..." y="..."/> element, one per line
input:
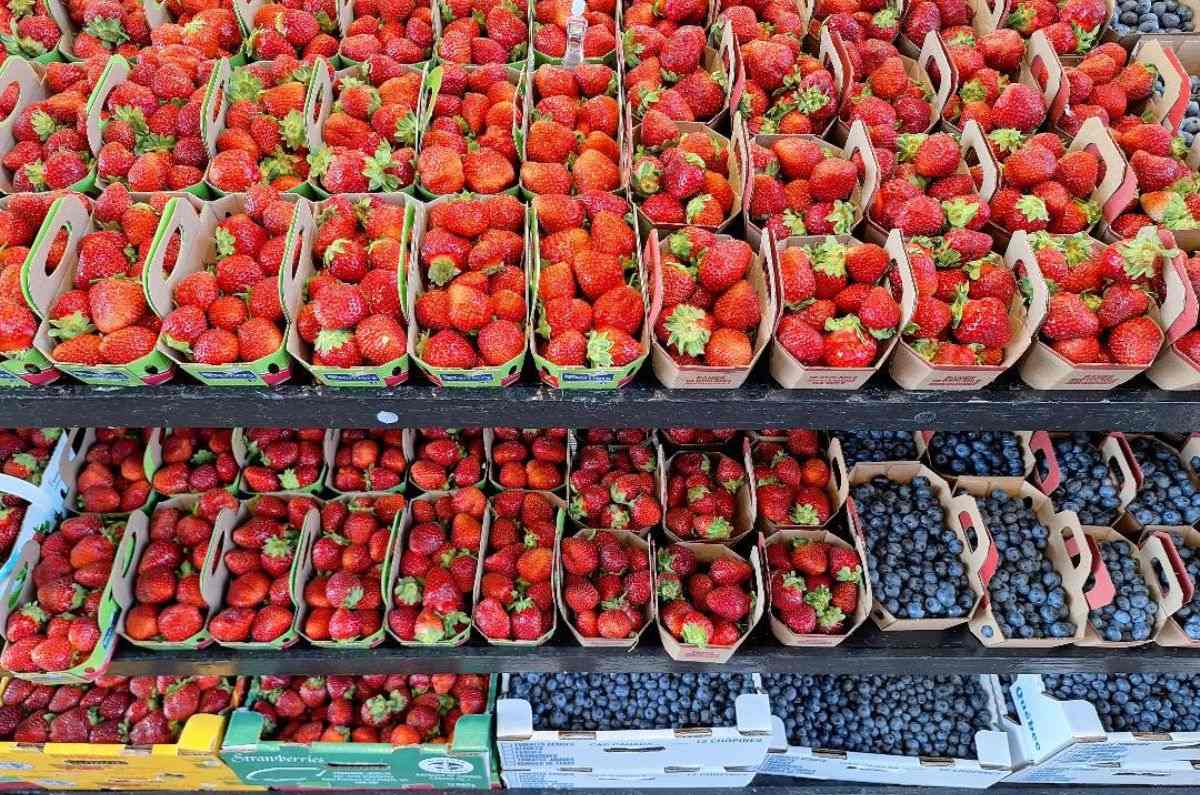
<point x="1134" y="702"/>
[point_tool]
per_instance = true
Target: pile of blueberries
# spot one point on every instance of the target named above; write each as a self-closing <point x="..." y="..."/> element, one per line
<point x="912" y="555"/>
<point x="1027" y="594"/>
<point x="905" y="715"/>
<point x="1167" y="494"/>
<point x="870" y="446"/>
<point x="1134" y="702"/>
<point x="1188" y="616"/>
<point x="604" y="702"/>
<point x="1087" y="487"/>
<point x="1130" y="615"/>
<point x="1152" y="16"/>
<point x="983" y="453"/>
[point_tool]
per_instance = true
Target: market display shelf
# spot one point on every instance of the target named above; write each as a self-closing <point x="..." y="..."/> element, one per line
<point x="868" y="651"/>
<point x="757" y="404"/>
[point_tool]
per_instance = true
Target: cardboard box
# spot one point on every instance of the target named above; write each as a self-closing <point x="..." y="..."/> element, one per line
<point x="1063" y="529"/>
<point x="676" y="376"/>
<point x="189" y="763"/>
<point x="960" y="512"/>
<point x="465" y="763"/>
<point x="524" y="748"/>
<point x="1179" y="774"/>
<point x="993" y="762"/>
<point x="673" y="778"/>
<point x="787" y="371"/>
<point x="779" y="629"/>
<point x="1070" y="734"/>
<point x="837" y="489"/>
<point x="246" y="453"/>
<point x="294" y="287"/>
<point x="129" y="557"/>
<point x="737" y="166"/>
<point x="745" y="506"/>
<point x="502" y="375"/>
<point x="686" y="652"/>
<point x="1171" y="633"/>
<point x="627" y="537"/>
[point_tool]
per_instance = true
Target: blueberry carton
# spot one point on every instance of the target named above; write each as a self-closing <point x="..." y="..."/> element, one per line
<point x="1158" y="469"/>
<point x="1057" y="474"/>
<point x="1183" y="628"/>
<point x="929" y="449"/>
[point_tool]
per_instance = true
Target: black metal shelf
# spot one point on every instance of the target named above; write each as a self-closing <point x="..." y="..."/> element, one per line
<point x="868" y="651"/>
<point x="1004" y="406"/>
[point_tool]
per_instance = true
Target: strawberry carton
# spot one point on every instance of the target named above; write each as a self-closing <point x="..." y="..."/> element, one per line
<point x="448" y="458"/>
<point x="694" y="349"/>
<point x="369" y="134"/>
<point x="434" y="566"/>
<point x="552" y="30"/>
<point x="266" y="126"/>
<point x="1060" y="548"/>
<point x="1079" y="347"/>
<point x="587" y="326"/>
<point x="701" y="438"/>
<point x="31" y="466"/>
<point x="708" y="497"/>
<point x="374" y="460"/>
<point x="956" y="22"/>
<point x="402" y="33"/>
<point x="256" y="558"/>
<point x="151" y="125"/>
<point x="678" y="75"/>
<point x="605" y="587"/>
<point x="573" y="139"/>
<point x="121" y="29"/>
<point x="1175" y="632"/>
<point x="802" y="185"/>
<point x="71" y="635"/>
<point x="483" y="155"/>
<point x="795" y="485"/>
<point x="818" y="592"/>
<point x="1178" y="364"/>
<point x="98" y="325"/>
<point x="351" y="255"/>
<point x="853" y="20"/>
<point x="707" y="599"/>
<point x="985" y="335"/>
<point x="666" y="18"/>
<point x="778" y="91"/>
<point x="224" y="320"/>
<point x="685" y="173"/>
<point x="164" y="581"/>
<point x="1073" y="27"/>
<point x="283" y="460"/>
<point x="468" y="325"/>
<point x="1167" y="186"/>
<point x="617" y="487"/>
<point x="958" y="514"/>
<point x="483" y="32"/>
<point x="44" y="136"/>
<point x="190" y="461"/>
<point x="347" y="569"/>
<point x="514" y="587"/>
<point x="273" y="29"/>
<point x="38" y="30"/>
<point x="105" y="474"/>
<point x="816" y="276"/>
<point x="528" y="458"/>
<point x="750" y="22"/>
<point x="214" y="31"/>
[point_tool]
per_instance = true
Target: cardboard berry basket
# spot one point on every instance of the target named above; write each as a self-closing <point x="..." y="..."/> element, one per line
<point x="58" y="12"/>
<point x="993" y="761"/>
<point x="464" y="762"/>
<point x="744" y="500"/>
<point x="837" y="489"/>
<point x="317" y="96"/>
<point x="1115" y="458"/>
<point x="81" y="441"/>
<point x="152" y="460"/>
<point x="1063" y="528"/>
<point x="432" y="85"/>
<point x="1070" y="734"/>
<point x="1172" y="631"/>
<point x="931" y="61"/>
<point x="245" y="11"/>
<point x="492" y="470"/>
<point x="215" y="568"/>
<point x="1043" y="368"/>
<point x="1172" y="370"/>
<point x="49" y="489"/>
<point x="560" y="576"/>
<point x="129" y="557"/>
<point x="660" y="485"/>
<point x="294" y="282"/>
<point x="1026" y="311"/>
<point x="720" y="61"/>
<point x="502" y="375"/>
<point x="156" y="16"/>
<point x="29" y="77"/>
<point x="324" y="87"/>
<point x="191" y="762"/>
<point x="1162" y="581"/>
<point x="786" y="370"/>
<point x="694" y="376"/>
<point x="407" y="445"/>
<point x="304" y="572"/>
<point x="1128" y="523"/>
<point x="860" y="197"/>
<point x="43" y="288"/>
<point x="116" y="72"/>
<point x="779" y="629"/>
<point x="570" y="377"/>
<point x="560" y="514"/>
<point x="961" y="513"/>
<point x="737" y="165"/>
<point x="985" y="17"/>
<point x="610" y="58"/>
<point x="197" y="252"/>
<point x="808" y="16"/>
<point x="523" y="747"/>
<point x="30" y="367"/>
<point x="1025" y="441"/>
<point x="245" y="452"/>
<point x="685" y="652"/>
